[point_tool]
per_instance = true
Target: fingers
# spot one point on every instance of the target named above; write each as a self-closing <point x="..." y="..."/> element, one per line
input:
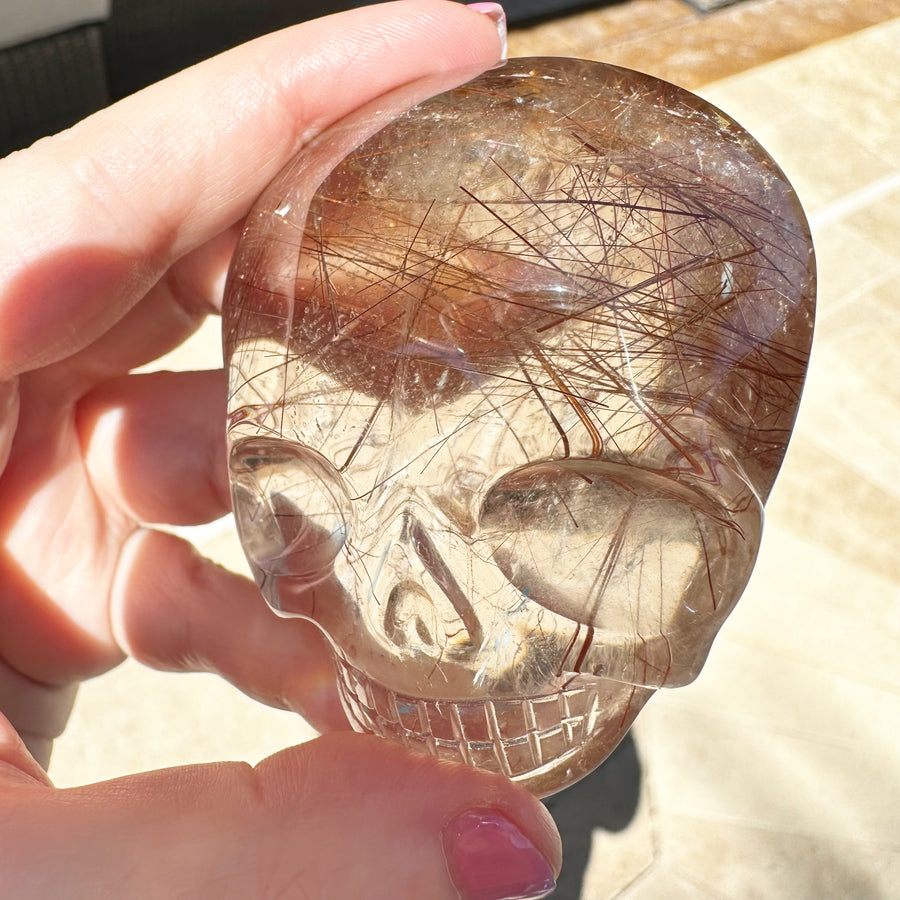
<point x="9" y="417"/>
<point x="143" y="182"/>
<point x="17" y="765"/>
<point x="154" y="445"/>
<point x="343" y="817"/>
<point x="171" y="311"/>
<point x="172" y="609"/>
<point x="37" y="711"/>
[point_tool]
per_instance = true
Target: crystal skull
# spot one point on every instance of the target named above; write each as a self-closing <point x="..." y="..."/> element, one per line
<point x="513" y="367"/>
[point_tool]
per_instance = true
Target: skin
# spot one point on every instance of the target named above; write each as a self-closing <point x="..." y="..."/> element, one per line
<point x="115" y="239"/>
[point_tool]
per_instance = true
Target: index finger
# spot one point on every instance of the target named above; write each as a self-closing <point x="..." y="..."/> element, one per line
<point x="93" y="217"/>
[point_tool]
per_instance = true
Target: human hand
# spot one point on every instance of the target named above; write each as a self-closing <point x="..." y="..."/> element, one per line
<point x="116" y="237"/>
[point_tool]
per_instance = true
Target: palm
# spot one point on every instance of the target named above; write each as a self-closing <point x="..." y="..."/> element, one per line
<point x="70" y="499"/>
<point x="59" y="577"/>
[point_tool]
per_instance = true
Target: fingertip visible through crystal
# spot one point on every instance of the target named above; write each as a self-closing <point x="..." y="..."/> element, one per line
<point x="489" y="858"/>
<point x="496" y="13"/>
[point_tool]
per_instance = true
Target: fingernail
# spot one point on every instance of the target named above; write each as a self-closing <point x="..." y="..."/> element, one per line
<point x="490" y="859"/>
<point x="496" y="13"/>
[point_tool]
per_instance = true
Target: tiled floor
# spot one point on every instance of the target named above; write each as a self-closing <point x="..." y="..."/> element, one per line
<point x="671" y="39"/>
<point x="777" y="774"/>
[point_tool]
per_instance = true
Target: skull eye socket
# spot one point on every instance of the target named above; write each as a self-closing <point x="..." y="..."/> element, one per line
<point x="293" y="511"/>
<point x="626" y="550"/>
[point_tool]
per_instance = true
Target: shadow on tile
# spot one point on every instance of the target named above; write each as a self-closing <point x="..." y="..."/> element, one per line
<point x="607" y="799"/>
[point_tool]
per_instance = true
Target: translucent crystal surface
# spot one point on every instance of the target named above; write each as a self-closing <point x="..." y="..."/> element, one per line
<point x="512" y="371"/>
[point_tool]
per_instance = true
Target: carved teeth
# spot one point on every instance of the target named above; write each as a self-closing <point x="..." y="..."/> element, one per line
<point x="514" y="737"/>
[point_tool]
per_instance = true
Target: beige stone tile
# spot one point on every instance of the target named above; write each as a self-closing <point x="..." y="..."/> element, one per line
<point x="669" y="39"/>
<point x="879" y="220"/>
<point x="202" y="350"/>
<point x="741" y="862"/>
<point x="850" y="267"/>
<point x="581" y="35"/>
<point x="882" y="40"/>
<point x="821" y="495"/>
<point x="134" y="719"/>
<point x="219" y="542"/>
<point x="749" y="685"/>
<point x="860" y="99"/>
<point x="846" y="413"/>
<point x="865" y="333"/>
<point x="806" y="136"/>
<point x="822" y="163"/>
<point x="807" y="603"/>
<point x="711" y="768"/>
<point x="661" y="883"/>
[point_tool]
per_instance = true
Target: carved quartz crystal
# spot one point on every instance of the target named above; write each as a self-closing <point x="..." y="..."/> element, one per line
<point x="512" y="371"/>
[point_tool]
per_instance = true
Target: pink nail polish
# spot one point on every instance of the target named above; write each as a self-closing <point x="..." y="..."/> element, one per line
<point x="496" y="13"/>
<point x="490" y="859"/>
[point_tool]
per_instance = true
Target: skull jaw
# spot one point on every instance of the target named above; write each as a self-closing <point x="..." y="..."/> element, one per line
<point x="545" y="742"/>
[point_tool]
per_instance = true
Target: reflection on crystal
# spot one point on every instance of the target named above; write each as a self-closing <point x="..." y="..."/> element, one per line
<point x="512" y="374"/>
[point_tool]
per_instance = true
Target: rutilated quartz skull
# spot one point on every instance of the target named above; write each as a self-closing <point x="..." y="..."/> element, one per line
<point x="512" y="371"/>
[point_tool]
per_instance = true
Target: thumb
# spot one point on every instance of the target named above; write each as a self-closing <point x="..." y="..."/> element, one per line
<point x="343" y="817"/>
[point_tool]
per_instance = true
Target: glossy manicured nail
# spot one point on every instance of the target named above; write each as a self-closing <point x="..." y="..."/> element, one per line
<point x="495" y="12"/>
<point x="490" y="859"/>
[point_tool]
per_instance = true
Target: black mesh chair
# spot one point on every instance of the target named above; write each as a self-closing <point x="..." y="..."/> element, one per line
<point x="51" y="79"/>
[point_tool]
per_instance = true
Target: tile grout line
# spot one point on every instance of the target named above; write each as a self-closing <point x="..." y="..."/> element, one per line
<point x="854" y="201"/>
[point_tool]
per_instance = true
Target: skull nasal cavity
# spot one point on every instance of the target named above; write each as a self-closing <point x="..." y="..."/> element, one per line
<point x="438" y="569"/>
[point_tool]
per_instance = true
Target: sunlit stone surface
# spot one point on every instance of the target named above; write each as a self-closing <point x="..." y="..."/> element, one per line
<point x="512" y="374"/>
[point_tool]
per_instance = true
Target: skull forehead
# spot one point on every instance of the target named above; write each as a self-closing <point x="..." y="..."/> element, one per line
<point x="595" y="268"/>
<point x="391" y="290"/>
